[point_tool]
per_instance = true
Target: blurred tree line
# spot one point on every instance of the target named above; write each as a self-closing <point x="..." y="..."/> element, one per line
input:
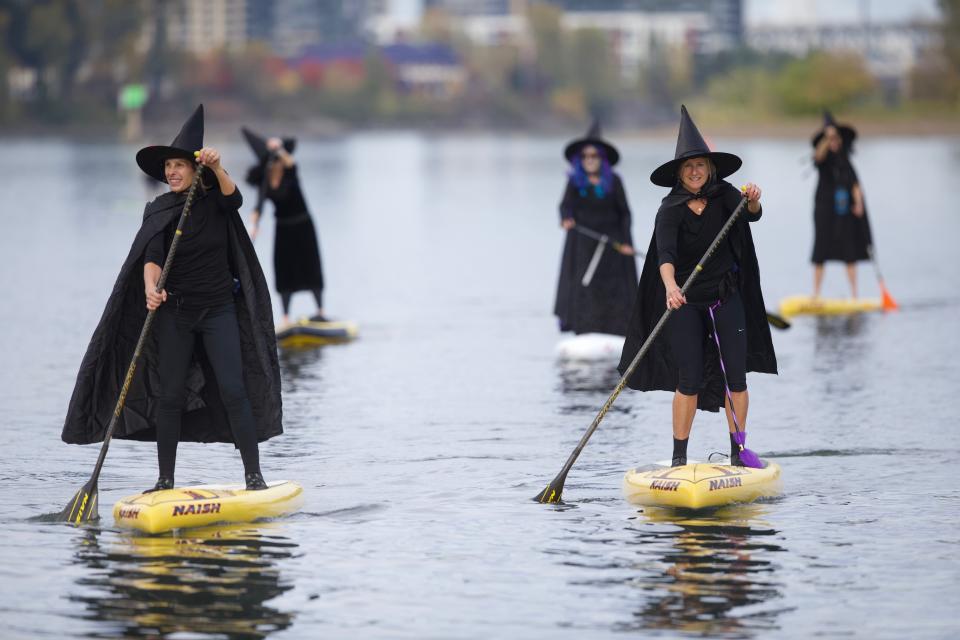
<point x="64" y="61"/>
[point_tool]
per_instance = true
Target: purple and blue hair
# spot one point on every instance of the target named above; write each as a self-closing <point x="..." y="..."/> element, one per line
<point x="581" y="180"/>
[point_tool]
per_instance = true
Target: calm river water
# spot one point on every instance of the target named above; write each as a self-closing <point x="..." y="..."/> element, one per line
<point x="421" y="445"/>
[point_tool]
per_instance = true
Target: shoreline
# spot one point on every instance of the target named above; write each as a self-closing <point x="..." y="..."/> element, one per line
<point x="319" y="128"/>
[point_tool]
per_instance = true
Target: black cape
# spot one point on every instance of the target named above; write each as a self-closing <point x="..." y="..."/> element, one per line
<point x="296" y="251"/>
<point x="111" y="348"/>
<point x="604" y="305"/>
<point x="838" y="236"/>
<point x="657" y="370"/>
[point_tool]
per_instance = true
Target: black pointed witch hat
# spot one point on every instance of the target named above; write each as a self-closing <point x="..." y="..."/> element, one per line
<point x="259" y="144"/>
<point x="595" y="138"/>
<point x="847" y="133"/>
<point x="189" y="139"/>
<point x="690" y="144"/>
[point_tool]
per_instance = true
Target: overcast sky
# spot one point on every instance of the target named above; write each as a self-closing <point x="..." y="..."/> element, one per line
<point x="779" y="11"/>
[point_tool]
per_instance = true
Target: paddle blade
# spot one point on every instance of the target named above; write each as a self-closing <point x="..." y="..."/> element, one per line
<point x="777" y="322"/>
<point x="889" y="304"/>
<point x="83" y="507"/>
<point x="551" y="495"/>
<point x="750" y="459"/>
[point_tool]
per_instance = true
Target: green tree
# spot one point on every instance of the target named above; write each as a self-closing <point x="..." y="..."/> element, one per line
<point x="824" y="79"/>
<point x="590" y="67"/>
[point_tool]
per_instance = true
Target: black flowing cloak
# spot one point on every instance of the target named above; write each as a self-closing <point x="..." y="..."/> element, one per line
<point x="657" y="371"/>
<point x="845" y="237"/>
<point x="108" y="355"/>
<point x="604" y="305"/>
<point x="296" y="252"/>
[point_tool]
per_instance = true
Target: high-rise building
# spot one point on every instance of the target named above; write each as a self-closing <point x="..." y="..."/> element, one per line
<point x="199" y="27"/>
<point x="298" y="24"/>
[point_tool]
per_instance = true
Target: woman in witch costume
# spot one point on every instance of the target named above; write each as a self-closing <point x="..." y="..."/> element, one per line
<point x="210" y="371"/>
<point x="296" y="253"/>
<point x="595" y="200"/>
<point x="723" y="304"/>
<point x="841" y="229"/>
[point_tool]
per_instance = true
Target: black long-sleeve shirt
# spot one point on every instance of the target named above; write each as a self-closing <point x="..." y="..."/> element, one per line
<point x="683" y="237"/>
<point x="200" y="274"/>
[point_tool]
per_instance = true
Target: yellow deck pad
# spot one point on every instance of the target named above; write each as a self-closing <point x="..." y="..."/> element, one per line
<point x="808" y="305"/>
<point x="309" y="333"/>
<point x="203" y="505"/>
<point x="701" y="485"/>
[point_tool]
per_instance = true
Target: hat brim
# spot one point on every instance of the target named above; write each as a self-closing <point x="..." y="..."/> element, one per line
<point x="151" y="159"/>
<point x="572" y="149"/>
<point x="847" y="134"/>
<point x="666" y="174"/>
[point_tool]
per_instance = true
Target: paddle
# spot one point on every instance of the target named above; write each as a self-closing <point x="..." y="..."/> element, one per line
<point x="602" y="241"/>
<point x="889" y="304"/>
<point x="83" y="506"/>
<point x="777" y="322"/>
<point x="553" y="491"/>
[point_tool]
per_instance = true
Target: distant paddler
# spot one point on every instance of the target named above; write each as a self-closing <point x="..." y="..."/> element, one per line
<point x="214" y="295"/>
<point x="718" y="329"/>
<point x="296" y="252"/>
<point x="841" y="229"/>
<point x="598" y="272"/>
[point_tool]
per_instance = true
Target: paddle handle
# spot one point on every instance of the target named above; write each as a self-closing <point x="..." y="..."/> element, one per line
<point x="649" y="341"/>
<point x="145" y="331"/>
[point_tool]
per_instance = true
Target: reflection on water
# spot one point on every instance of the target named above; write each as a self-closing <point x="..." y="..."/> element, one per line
<point x="214" y="580"/>
<point x="585" y="376"/>
<point x="714" y="575"/>
<point x="832" y="330"/>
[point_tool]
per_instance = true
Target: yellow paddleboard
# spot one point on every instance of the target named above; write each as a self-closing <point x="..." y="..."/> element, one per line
<point x="797" y="305"/>
<point x="310" y="333"/>
<point x="203" y="505"/>
<point x="701" y="485"/>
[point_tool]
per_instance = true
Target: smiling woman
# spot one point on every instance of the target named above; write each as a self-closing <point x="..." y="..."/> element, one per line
<point x="723" y="305"/>
<point x="214" y="295"/>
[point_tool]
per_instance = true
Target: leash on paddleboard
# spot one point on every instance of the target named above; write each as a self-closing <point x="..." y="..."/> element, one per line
<point x="554" y="490"/>
<point x="602" y="241"/>
<point x="747" y="457"/>
<point x="83" y="506"/>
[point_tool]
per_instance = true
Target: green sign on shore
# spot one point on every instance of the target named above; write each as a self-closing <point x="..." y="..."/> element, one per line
<point x="133" y="96"/>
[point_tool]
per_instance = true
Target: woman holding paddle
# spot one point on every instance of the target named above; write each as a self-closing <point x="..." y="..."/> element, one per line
<point x="717" y="330"/>
<point x="208" y="371"/>
<point x="841" y="229"/>
<point x="296" y="253"/>
<point x="594" y="289"/>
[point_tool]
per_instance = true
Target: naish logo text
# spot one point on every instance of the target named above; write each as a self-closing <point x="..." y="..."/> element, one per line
<point x="724" y="483"/>
<point x="196" y="509"/>
<point x="661" y="485"/>
<point x="129" y="513"/>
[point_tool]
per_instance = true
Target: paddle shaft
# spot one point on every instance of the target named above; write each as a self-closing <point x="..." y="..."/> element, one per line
<point x="649" y="341"/>
<point x="600" y="237"/>
<point x="145" y="331"/>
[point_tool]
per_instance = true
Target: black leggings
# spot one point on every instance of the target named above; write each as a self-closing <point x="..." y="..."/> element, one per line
<point x="218" y="329"/>
<point x="286" y="295"/>
<point x="688" y="327"/>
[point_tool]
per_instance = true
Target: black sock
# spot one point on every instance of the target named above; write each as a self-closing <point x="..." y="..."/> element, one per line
<point x="251" y="459"/>
<point x="680" y="448"/>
